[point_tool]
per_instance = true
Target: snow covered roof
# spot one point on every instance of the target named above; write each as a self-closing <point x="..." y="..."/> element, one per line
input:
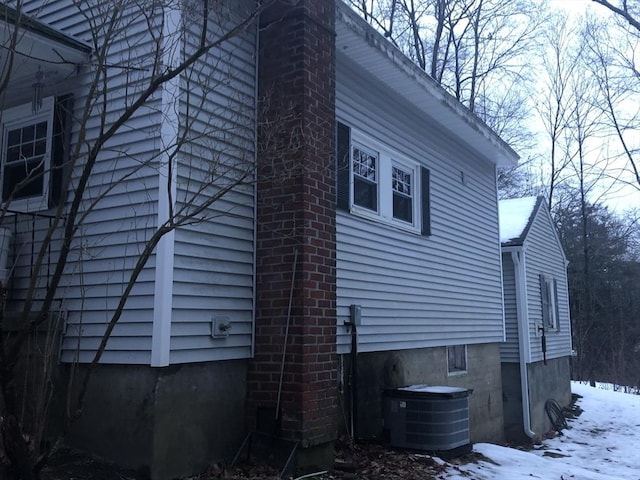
<point x="516" y="216"/>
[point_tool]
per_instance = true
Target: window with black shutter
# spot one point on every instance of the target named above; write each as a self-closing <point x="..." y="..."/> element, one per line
<point x="376" y="182"/>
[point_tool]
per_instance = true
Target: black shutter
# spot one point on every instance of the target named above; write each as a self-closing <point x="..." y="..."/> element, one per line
<point x="62" y="114"/>
<point x="343" y="145"/>
<point x="425" y="202"/>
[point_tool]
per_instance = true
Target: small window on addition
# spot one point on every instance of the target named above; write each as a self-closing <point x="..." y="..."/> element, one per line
<point x="457" y="359"/>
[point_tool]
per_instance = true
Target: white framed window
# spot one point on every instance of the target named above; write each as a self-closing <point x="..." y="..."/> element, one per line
<point x="549" y="299"/>
<point x="365" y="165"/>
<point x="403" y="189"/>
<point x="383" y="184"/>
<point x="457" y="359"/>
<point x="374" y="181"/>
<point x="26" y="145"/>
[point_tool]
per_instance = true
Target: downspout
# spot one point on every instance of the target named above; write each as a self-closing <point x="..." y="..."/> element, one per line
<point x="355" y="313"/>
<point x="256" y="120"/>
<point x="517" y="256"/>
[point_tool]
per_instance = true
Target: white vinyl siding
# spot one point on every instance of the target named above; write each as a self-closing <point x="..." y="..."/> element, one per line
<point x="214" y="259"/>
<point x="543" y="256"/>
<point x="509" y="350"/>
<point x="116" y="230"/>
<point x="418" y="291"/>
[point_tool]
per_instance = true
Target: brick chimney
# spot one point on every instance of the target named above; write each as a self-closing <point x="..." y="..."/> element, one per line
<point x="296" y="239"/>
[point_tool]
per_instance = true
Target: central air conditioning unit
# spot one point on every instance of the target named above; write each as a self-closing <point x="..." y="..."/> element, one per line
<point x="429" y="418"/>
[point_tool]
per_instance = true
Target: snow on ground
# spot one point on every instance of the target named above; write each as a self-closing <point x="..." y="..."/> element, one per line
<point x="601" y="444"/>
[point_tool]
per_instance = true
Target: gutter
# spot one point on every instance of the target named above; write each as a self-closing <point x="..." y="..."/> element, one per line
<point x="517" y="255"/>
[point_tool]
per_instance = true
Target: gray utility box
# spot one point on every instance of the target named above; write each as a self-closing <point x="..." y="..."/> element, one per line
<point x="426" y="417"/>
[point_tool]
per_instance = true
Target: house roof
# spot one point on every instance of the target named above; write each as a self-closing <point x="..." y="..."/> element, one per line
<point x="516" y="216"/>
<point x="38" y="46"/>
<point x="369" y="50"/>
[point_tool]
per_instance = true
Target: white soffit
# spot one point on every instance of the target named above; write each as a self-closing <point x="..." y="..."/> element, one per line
<point x="37" y="46"/>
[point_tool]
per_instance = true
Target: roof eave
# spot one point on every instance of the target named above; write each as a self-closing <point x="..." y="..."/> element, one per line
<point x="398" y="72"/>
<point x="14" y="17"/>
<point x="34" y="51"/>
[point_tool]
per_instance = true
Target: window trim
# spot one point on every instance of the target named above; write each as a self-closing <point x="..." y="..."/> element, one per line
<point x="18" y="117"/>
<point x="387" y="159"/>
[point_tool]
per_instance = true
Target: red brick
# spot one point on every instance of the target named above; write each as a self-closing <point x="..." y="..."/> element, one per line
<point x="297" y="211"/>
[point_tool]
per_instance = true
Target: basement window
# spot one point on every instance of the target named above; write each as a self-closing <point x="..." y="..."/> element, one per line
<point x="457" y="359"/>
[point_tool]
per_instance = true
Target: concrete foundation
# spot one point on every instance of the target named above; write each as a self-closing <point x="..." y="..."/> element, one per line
<point x="165" y="423"/>
<point x="380" y="370"/>
<point x="550" y="381"/>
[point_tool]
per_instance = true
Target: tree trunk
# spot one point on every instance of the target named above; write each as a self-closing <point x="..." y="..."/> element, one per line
<point x="15" y="449"/>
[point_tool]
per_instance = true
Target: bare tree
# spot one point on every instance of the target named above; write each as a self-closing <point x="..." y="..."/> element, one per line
<point x="613" y="55"/>
<point x="625" y="9"/>
<point x="159" y="68"/>
<point x="474" y="48"/>
<point x="560" y="65"/>
<point x="479" y="51"/>
<point x="582" y="138"/>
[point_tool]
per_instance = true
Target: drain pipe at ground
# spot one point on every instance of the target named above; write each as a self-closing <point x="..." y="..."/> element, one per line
<point x="523" y="336"/>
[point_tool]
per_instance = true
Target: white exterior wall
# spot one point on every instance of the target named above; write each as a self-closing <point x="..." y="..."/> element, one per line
<point x="419" y="291"/>
<point x="118" y="226"/>
<point x="509" y="349"/>
<point x="543" y="255"/>
<point x="214" y="259"/>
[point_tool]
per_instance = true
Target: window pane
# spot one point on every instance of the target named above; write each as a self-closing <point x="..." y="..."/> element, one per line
<point x="13" y="174"/>
<point x="24" y="158"/>
<point x="41" y="147"/>
<point x="402" y="183"/>
<point x="27" y="150"/>
<point x="13" y="153"/>
<point x="365" y="178"/>
<point x="365" y="194"/>
<point x="364" y="164"/>
<point x="13" y="137"/>
<point x="41" y="130"/>
<point x="28" y="133"/>
<point x="402" y="208"/>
